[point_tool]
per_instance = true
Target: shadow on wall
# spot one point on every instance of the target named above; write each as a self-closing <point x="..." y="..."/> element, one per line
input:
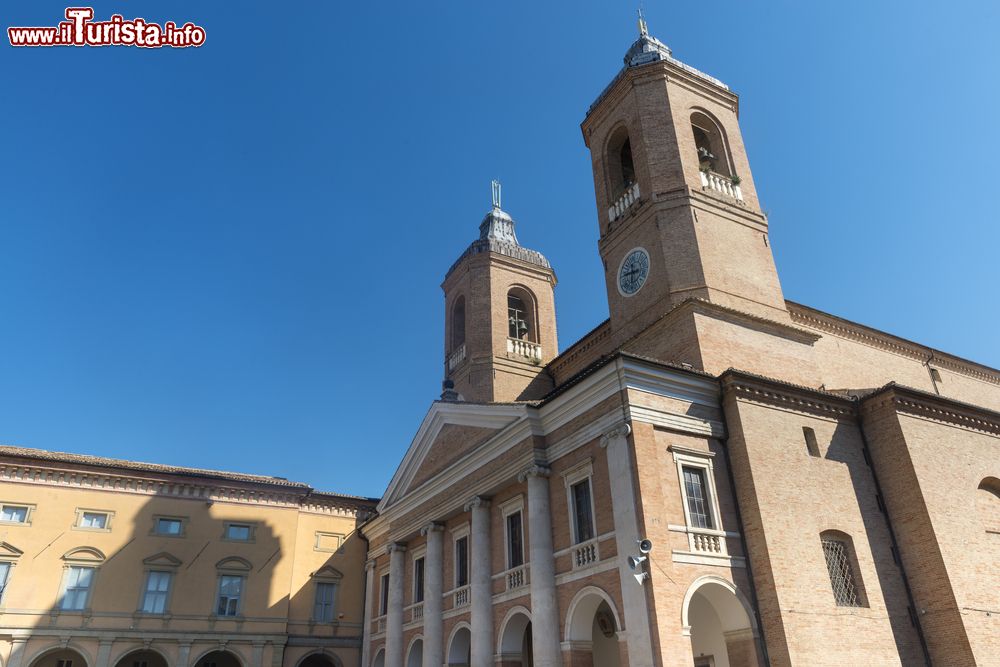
<point x="204" y="571"/>
<point x="846" y="448"/>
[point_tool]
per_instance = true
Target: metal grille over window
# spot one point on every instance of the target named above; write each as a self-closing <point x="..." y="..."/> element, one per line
<point x="697" y="497"/>
<point x="845" y="591"/>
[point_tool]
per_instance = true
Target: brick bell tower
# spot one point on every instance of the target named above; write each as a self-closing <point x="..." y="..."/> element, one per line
<point x="679" y="216"/>
<point x="500" y="316"/>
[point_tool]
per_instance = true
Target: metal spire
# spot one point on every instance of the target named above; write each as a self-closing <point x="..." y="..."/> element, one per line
<point x="643" y="30"/>
<point x="496" y="193"/>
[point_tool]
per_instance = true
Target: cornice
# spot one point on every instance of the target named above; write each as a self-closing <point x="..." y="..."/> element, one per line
<point x="906" y="400"/>
<point x="837" y="326"/>
<point x="765" y="391"/>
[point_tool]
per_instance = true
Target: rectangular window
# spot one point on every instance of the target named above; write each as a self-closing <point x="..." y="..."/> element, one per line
<point x="583" y="517"/>
<point x="4" y="577"/>
<point x="95" y="520"/>
<point x="13" y="513"/>
<point x="230" y="592"/>
<point x="326" y="594"/>
<point x="462" y="562"/>
<point x="696" y="493"/>
<point x="418" y="580"/>
<point x="238" y="531"/>
<point x="76" y="592"/>
<point x="383" y="607"/>
<point x="515" y="541"/>
<point x="154" y="598"/>
<point x="845" y="591"/>
<point x="167" y="526"/>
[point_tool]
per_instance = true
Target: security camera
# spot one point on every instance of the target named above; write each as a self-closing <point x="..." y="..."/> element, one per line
<point x="645" y="546"/>
<point x="635" y="562"/>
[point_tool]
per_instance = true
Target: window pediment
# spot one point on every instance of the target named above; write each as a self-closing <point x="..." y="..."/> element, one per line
<point x="328" y="573"/>
<point x="84" y="555"/>
<point x="234" y="564"/>
<point x="162" y="559"/>
<point x="9" y="551"/>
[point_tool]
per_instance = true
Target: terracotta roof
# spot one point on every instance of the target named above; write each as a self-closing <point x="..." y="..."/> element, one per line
<point x="122" y="464"/>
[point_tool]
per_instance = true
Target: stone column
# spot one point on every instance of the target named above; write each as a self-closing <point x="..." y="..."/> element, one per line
<point x="623" y="503"/>
<point x="366" y="631"/>
<point x="104" y="653"/>
<point x="394" y="615"/>
<point x="433" y="590"/>
<point x="542" y="570"/>
<point x="480" y="584"/>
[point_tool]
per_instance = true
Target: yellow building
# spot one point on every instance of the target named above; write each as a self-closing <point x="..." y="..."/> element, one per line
<point x="108" y="563"/>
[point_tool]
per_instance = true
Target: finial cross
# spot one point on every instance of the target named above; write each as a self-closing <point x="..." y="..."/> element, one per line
<point x="643" y="30"/>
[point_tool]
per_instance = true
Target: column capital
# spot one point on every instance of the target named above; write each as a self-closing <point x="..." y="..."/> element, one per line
<point x="370" y="565"/>
<point x="432" y="527"/>
<point x="536" y="470"/>
<point x="621" y="430"/>
<point x="477" y="501"/>
<point x="395" y="546"/>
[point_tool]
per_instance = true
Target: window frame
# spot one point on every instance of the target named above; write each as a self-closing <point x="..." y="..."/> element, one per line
<point x="64" y="587"/>
<point x="5" y="580"/>
<point x="693" y="458"/>
<point x="383" y="592"/>
<point x="419" y="583"/>
<point x="249" y="525"/>
<point x="242" y="578"/>
<point x="507" y="509"/>
<point x="82" y="512"/>
<point x="182" y="532"/>
<point x="462" y="530"/>
<point x="167" y="595"/>
<point x="29" y="510"/>
<point x="853" y="568"/>
<point x="318" y="585"/>
<point x="320" y="534"/>
<point x="583" y="471"/>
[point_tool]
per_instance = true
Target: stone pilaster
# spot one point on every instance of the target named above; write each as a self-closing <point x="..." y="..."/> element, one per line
<point x="542" y="568"/>
<point x="394" y="615"/>
<point x="623" y="503"/>
<point x="433" y="592"/>
<point x="480" y="589"/>
<point x="366" y="632"/>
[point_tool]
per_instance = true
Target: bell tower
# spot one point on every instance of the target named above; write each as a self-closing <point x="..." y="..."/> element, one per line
<point x="500" y="317"/>
<point x="679" y="216"/>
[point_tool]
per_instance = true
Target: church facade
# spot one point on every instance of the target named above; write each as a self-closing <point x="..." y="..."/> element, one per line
<point x="713" y="476"/>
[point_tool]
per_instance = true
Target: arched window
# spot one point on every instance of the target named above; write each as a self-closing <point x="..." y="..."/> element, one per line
<point x="458" y="323"/>
<point x="521" y="315"/>
<point x="710" y="145"/>
<point x="620" y="165"/>
<point x="988" y="504"/>
<point x="841" y="564"/>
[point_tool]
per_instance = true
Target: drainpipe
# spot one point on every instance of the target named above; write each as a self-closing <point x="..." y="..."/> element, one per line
<point x="915" y="615"/>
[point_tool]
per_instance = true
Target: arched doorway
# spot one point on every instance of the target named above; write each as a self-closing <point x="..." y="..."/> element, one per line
<point x="515" y="646"/>
<point x="722" y="631"/>
<point x="61" y="657"/>
<point x="415" y="656"/>
<point x="592" y="628"/>
<point x="379" y="660"/>
<point x="141" y="658"/>
<point x="319" y="660"/>
<point x="219" y="659"/>
<point x="460" y="647"/>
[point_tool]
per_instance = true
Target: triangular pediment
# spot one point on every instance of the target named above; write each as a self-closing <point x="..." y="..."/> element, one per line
<point x="449" y="433"/>
<point x="327" y="572"/>
<point x="8" y="551"/>
<point x="162" y="559"/>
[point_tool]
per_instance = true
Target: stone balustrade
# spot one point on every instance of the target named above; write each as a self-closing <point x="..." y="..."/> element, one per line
<point x="722" y="184"/>
<point x="622" y="204"/>
<point x="524" y="348"/>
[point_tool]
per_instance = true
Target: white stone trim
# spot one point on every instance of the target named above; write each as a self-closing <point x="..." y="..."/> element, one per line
<point x="578" y="473"/>
<point x="689" y="458"/>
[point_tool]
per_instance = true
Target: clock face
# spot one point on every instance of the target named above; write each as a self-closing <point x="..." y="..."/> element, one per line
<point x="633" y="272"/>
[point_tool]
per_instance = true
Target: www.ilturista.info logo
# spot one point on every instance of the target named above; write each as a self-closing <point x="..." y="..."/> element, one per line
<point x="81" y="30"/>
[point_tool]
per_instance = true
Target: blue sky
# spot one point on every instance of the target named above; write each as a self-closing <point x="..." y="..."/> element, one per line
<point x="230" y="257"/>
